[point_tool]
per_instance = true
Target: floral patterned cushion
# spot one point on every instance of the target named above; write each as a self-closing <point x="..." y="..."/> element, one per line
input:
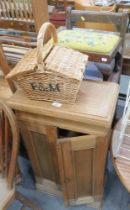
<point x="88" y="40"/>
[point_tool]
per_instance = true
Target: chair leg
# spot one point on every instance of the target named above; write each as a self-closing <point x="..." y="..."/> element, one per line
<point x="15" y="142"/>
<point x="26" y="201"/>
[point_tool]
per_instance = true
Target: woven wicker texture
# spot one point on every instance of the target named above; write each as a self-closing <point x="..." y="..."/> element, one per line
<point x="50" y="72"/>
<point x="62" y="64"/>
<point x="50" y="88"/>
<point x="25" y="65"/>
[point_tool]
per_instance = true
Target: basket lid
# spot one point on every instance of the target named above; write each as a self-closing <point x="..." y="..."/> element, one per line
<point x="66" y="62"/>
<point x="26" y="65"/>
<point x="61" y="60"/>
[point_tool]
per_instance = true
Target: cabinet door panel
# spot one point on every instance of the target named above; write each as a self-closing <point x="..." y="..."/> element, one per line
<point x="77" y="168"/>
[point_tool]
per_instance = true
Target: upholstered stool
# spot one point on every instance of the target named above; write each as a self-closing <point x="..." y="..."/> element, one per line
<point x="106" y="68"/>
<point x="88" y="40"/>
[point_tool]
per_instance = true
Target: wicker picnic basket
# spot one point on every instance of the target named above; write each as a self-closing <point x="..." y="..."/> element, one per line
<point x="50" y="72"/>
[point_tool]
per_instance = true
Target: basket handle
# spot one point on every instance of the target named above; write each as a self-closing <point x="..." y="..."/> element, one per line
<point x="45" y="30"/>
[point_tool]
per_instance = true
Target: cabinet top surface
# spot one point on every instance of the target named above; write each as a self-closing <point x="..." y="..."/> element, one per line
<point x="96" y="102"/>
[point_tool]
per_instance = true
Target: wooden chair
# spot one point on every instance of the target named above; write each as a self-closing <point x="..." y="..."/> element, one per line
<point x="10" y="87"/>
<point x="9" y="147"/>
<point x="19" y="22"/>
<point x="16" y="43"/>
<point x="16" y="13"/>
<point x="8" y="156"/>
<point x="121" y="22"/>
<point x="121" y="145"/>
<point x="8" y="130"/>
<point x="23" y="15"/>
<point x="90" y="6"/>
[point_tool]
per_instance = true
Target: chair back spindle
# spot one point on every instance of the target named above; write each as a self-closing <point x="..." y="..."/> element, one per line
<point x="16" y="10"/>
<point x="9" y="143"/>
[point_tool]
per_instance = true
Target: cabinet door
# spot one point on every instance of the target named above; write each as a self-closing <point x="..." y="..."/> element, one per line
<point x="76" y="157"/>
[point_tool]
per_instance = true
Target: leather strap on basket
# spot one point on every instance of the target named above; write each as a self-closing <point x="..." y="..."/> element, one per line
<point x="46" y="30"/>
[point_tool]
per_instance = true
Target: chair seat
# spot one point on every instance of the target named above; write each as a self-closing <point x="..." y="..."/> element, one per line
<point x="88" y="40"/>
<point x="5" y="193"/>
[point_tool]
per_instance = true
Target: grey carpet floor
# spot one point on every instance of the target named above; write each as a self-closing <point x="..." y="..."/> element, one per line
<point x="115" y="195"/>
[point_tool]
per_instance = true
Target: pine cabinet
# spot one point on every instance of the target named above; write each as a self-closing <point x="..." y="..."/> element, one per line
<point x="68" y="146"/>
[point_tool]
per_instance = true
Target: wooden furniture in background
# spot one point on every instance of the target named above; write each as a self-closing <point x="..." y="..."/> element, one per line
<point x="126" y="55"/>
<point x="23" y="19"/>
<point x="122" y="164"/>
<point x="5" y="69"/>
<point x="8" y="155"/>
<point x="8" y="122"/>
<point x="16" y="14"/>
<point x="89" y="4"/>
<point x="67" y="3"/>
<point x="123" y="7"/>
<point x="40" y="12"/>
<point x="6" y="89"/>
<point x="8" y="159"/>
<point x="121" y="144"/>
<point x="63" y="3"/>
<point x="16" y="43"/>
<point x="44" y="128"/>
<point x="86" y="5"/>
<point x="22" y="14"/>
<point x="120" y="20"/>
